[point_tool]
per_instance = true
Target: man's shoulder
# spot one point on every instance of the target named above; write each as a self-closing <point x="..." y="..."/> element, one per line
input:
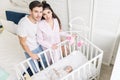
<point x="23" y="20"/>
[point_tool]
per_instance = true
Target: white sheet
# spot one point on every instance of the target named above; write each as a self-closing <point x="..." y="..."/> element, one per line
<point x="75" y="59"/>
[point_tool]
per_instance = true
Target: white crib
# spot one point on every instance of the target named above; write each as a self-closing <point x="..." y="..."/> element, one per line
<point x="86" y="64"/>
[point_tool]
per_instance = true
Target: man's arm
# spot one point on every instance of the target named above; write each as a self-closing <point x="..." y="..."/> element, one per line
<point x="26" y="48"/>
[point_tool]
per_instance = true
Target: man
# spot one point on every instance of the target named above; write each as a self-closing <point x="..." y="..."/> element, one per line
<point x="26" y="31"/>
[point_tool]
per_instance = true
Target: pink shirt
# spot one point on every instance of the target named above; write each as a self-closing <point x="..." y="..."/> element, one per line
<point x="46" y="36"/>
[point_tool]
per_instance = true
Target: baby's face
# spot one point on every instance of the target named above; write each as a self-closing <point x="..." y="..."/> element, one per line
<point x="68" y="69"/>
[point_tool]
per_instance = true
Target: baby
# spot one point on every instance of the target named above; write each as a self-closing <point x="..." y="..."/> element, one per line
<point x="55" y="74"/>
<point x="68" y="69"/>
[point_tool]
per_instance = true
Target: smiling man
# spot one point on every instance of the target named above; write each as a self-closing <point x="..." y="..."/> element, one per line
<point x="27" y="32"/>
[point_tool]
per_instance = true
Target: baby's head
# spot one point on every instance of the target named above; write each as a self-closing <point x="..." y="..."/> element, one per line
<point x="68" y="69"/>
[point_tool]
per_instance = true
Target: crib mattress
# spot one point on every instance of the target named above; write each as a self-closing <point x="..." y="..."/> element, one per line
<point x="75" y="59"/>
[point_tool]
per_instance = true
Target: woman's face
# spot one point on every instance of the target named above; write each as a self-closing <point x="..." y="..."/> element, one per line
<point x="47" y="14"/>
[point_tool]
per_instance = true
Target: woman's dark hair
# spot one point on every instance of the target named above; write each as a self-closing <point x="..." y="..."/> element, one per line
<point x="34" y="4"/>
<point x="47" y="6"/>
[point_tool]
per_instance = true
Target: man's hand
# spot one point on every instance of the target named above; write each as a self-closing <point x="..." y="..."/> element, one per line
<point x="34" y="56"/>
<point x="26" y="48"/>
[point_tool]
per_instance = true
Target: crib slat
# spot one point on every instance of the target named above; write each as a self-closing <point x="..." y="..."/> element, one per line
<point x="89" y="67"/>
<point x="99" y="61"/>
<point x="78" y="73"/>
<point x="95" y="63"/>
<point x="36" y="64"/>
<point x="96" y="52"/>
<point x="91" y="53"/>
<point x="51" y="56"/>
<point x="47" y="58"/>
<point x="73" y="46"/>
<point x="83" y="73"/>
<point x="60" y="49"/>
<point x="31" y="67"/>
<point x="70" y="47"/>
<point x="87" y="72"/>
<point x="41" y="61"/>
<point x="19" y="73"/>
<point x="65" y="48"/>
<point x="88" y="47"/>
<point x="24" y="69"/>
<point x="83" y="49"/>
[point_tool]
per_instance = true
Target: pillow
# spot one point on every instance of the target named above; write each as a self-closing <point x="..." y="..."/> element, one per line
<point x="3" y="74"/>
<point x="9" y="26"/>
<point x="14" y="16"/>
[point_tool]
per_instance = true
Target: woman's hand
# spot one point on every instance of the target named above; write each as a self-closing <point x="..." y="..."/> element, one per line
<point x="54" y="46"/>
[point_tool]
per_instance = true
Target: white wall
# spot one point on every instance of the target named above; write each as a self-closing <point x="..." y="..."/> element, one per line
<point x="116" y="69"/>
<point x="106" y="24"/>
<point x="80" y="8"/>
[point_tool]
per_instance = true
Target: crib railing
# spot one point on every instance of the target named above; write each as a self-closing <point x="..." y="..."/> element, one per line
<point x="21" y="68"/>
<point x="94" y="56"/>
<point x="92" y="53"/>
<point x="84" y="72"/>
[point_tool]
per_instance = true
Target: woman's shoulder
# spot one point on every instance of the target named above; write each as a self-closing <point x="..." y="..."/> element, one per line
<point x="42" y="22"/>
<point x="55" y="19"/>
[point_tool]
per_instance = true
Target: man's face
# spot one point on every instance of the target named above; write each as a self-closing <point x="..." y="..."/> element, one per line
<point x="36" y="13"/>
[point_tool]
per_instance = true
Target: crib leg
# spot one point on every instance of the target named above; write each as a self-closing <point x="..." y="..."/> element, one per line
<point x="98" y="77"/>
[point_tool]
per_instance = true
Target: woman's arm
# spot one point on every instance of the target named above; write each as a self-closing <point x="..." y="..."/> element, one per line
<point x="41" y="40"/>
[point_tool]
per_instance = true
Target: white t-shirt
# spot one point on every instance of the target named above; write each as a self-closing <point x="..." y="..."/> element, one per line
<point x="28" y="29"/>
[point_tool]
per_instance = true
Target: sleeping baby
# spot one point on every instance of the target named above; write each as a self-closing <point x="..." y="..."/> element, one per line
<point x="53" y="73"/>
<point x="56" y="74"/>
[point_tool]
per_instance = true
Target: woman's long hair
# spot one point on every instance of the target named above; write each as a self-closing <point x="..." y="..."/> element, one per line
<point x="47" y="6"/>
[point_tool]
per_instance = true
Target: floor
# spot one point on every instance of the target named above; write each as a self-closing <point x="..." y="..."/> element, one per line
<point x="106" y="72"/>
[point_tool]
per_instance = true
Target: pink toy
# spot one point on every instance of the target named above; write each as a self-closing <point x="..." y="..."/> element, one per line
<point x="80" y="43"/>
<point x="70" y="39"/>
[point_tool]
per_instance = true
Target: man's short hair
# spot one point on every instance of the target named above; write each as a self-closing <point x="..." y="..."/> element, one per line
<point x="34" y="4"/>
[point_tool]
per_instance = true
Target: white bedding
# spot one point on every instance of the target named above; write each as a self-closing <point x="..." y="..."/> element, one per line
<point x="10" y="53"/>
<point x="75" y="59"/>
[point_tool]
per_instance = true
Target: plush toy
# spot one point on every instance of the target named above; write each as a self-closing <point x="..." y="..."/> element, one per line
<point x="80" y="43"/>
<point x="71" y="39"/>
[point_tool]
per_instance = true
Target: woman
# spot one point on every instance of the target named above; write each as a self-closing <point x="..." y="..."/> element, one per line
<point x="48" y="31"/>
